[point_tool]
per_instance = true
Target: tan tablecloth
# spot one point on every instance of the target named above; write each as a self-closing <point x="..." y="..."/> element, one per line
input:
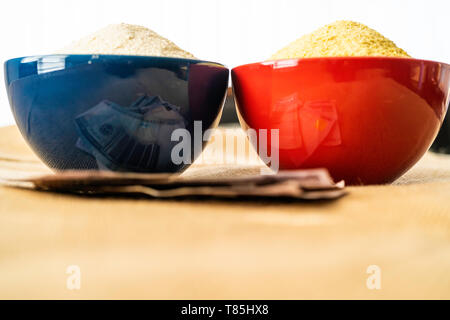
<point x="140" y="248"/>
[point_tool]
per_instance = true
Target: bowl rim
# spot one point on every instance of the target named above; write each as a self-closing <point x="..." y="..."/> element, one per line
<point x="337" y="58"/>
<point x="32" y="58"/>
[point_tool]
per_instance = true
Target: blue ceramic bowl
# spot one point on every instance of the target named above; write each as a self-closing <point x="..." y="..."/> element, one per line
<point x="115" y="112"/>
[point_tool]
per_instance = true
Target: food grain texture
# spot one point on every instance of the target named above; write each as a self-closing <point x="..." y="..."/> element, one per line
<point x="126" y="39"/>
<point x="341" y="38"/>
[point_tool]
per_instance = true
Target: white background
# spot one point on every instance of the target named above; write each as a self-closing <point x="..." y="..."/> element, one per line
<point x="231" y="32"/>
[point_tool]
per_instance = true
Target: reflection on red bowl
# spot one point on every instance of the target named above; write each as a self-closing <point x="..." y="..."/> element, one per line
<point x="366" y="119"/>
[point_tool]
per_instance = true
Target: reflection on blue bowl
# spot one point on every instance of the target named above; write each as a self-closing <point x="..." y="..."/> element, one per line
<point x="113" y="112"/>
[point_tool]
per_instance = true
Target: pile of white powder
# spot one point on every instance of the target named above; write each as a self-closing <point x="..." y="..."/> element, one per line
<point x="126" y="39"/>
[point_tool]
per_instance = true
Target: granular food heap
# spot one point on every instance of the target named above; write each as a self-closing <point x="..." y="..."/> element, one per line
<point x="341" y="38"/>
<point x="126" y="39"/>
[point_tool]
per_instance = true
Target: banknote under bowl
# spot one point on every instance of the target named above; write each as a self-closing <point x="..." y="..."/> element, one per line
<point x="115" y="112"/>
<point x="366" y="119"/>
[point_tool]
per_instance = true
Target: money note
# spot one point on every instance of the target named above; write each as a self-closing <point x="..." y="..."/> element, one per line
<point x="312" y="184"/>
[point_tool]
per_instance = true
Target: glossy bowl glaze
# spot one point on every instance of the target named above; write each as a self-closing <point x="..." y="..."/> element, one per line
<point x="113" y="112"/>
<point x="366" y="119"/>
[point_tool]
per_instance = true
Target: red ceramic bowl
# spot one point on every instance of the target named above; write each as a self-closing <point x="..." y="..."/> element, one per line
<point x="366" y="119"/>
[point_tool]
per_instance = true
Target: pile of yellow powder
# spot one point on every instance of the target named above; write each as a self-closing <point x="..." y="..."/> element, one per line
<point x="341" y="38"/>
<point x="126" y="39"/>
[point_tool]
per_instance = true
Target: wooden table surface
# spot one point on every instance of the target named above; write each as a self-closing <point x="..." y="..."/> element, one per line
<point x="185" y="249"/>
